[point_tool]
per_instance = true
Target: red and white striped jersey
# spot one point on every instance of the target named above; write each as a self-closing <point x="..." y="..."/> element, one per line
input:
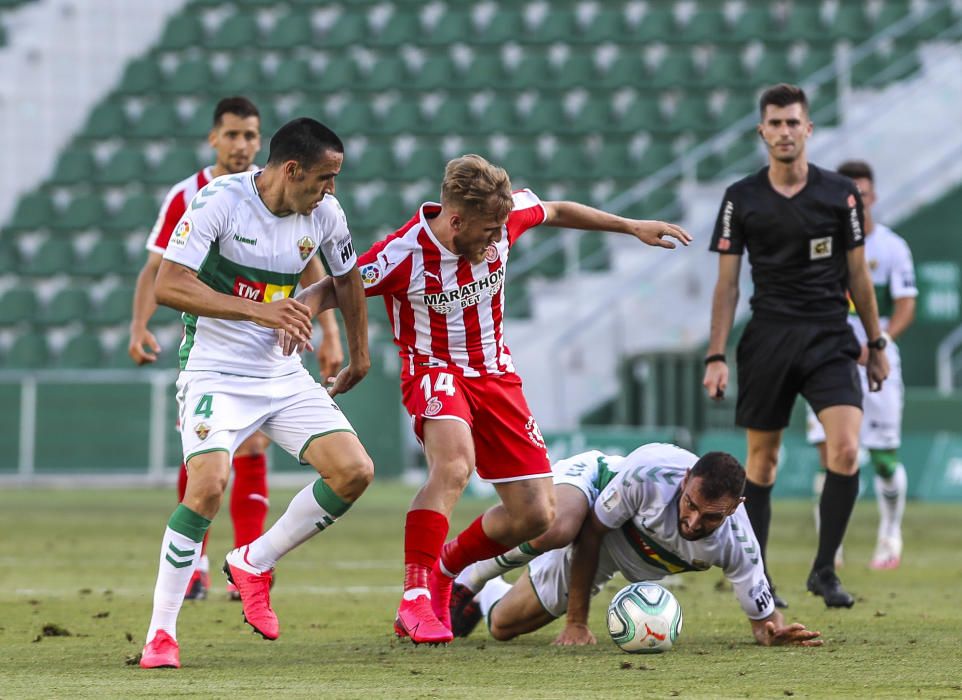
<point x="174" y="206"/>
<point x="445" y="311"/>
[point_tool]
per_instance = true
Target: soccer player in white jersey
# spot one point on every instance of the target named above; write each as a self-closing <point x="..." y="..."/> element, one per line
<point x="235" y="139"/>
<point x="231" y="266"/>
<point x="664" y="512"/>
<point x="893" y="275"/>
<point x="442" y="276"/>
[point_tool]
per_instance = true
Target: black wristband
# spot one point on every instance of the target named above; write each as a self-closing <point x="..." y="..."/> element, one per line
<point x="718" y="357"/>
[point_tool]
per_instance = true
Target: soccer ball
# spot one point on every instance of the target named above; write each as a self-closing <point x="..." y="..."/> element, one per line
<point x="644" y="618"/>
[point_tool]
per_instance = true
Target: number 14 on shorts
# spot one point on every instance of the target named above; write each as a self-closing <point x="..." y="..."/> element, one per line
<point x="443" y="384"/>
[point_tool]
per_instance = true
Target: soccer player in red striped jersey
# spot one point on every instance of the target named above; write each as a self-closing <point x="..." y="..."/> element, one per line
<point x="442" y="278"/>
<point x="235" y="138"/>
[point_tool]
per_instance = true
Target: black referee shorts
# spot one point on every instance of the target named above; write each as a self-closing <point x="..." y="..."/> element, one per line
<point x="778" y="360"/>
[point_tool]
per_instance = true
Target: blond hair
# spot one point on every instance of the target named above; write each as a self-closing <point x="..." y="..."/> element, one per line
<point x="475" y="183"/>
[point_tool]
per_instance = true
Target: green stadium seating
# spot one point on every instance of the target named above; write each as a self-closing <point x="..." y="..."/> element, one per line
<point x="33" y="211"/>
<point x="592" y="253"/>
<point x="86" y="211"/>
<point x="557" y="25"/>
<point x="75" y="165"/>
<point x="240" y="76"/>
<point x="108" y="256"/>
<point x="292" y="74"/>
<point x="190" y="76"/>
<point x="141" y="76"/>
<point x="159" y="120"/>
<point x="850" y="22"/>
<point x="139" y="211"/>
<point x="67" y="306"/>
<point x="178" y="162"/>
<point x="197" y="126"/>
<point x="754" y="22"/>
<point x="54" y="257"/>
<point x="81" y="351"/>
<point x="340" y="72"/>
<point x="115" y="308"/>
<point x="9" y="258"/>
<point x="804" y="21"/>
<point x="608" y="24"/>
<point x="705" y="25"/>
<point x="183" y="31"/>
<point x="350" y="29"/>
<point x="506" y="25"/>
<point x="485" y="71"/>
<point x="125" y="166"/>
<point x="236" y="32"/>
<point x="290" y="31"/>
<point x="724" y="69"/>
<point x="29" y="351"/>
<point x="398" y="30"/>
<point x="437" y="73"/>
<point x="453" y="27"/>
<point x="106" y="121"/>
<point x="657" y="24"/>
<point x="18" y="305"/>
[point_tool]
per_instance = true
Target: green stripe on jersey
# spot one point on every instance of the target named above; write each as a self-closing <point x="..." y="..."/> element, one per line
<point x="220" y="273"/>
<point x="605" y="475"/>
<point x="187" y="344"/>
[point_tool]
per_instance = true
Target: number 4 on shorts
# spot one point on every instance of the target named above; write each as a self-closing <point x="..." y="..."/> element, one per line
<point x="444" y="384"/>
<point x="205" y="407"/>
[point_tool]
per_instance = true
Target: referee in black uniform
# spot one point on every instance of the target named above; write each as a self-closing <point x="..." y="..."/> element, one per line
<point x="802" y="227"/>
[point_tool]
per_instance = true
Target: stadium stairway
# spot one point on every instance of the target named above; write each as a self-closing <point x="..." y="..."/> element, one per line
<point x="583" y="324"/>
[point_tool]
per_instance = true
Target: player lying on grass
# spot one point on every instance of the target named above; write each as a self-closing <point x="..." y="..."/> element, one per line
<point x="663" y="511"/>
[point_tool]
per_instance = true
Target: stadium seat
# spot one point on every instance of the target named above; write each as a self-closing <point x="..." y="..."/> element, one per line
<point x="506" y="25"/>
<point x="436" y="73"/>
<point x="657" y="24"/>
<point x="178" y="162"/>
<point x="292" y="74"/>
<point x="139" y="211"/>
<point x="400" y="27"/>
<point x="54" y="257"/>
<point x="141" y="76"/>
<point x="197" y="126"/>
<point x="236" y="32"/>
<point x="520" y="161"/>
<point x="498" y="115"/>
<point x="804" y="21"/>
<point x="557" y="25"/>
<point x="75" y="165"/>
<point x="724" y="68"/>
<point x="115" y="308"/>
<point x="33" y="211"/>
<point x="18" y="305"/>
<point x="190" y="77"/>
<point x="243" y="77"/>
<point x="159" y="120"/>
<point x="85" y="211"/>
<point x="656" y="156"/>
<point x="105" y="121"/>
<point x="707" y="24"/>
<point x="290" y="31"/>
<point x="450" y="118"/>
<point x="817" y="57"/>
<point x="29" y="351"/>
<point x="68" y="305"/>
<point x="485" y="71"/>
<point x="108" y="256"/>
<point x="453" y="27"/>
<point x="425" y="163"/>
<point x="125" y="166"/>
<point x="340" y="72"/>
<point x="607" y="24"/>
<point x="387" y="73"/>
<point x="593" y="253"/>
<point x="754" y="22"/>
<point x="9" y="258"/>
<point x="349" y="29"/>
<point x="675" y="69"/>
<point x="626" y="70"/>
<point x="183" y="31"/>
<point x="81" y="351"/>
<point x="850" y="22"/>
<point x="578" y="70"/>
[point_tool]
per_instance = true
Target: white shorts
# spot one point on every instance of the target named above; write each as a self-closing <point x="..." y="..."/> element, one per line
<point x="882" y="410"/>
<point x="551" y="575"/>
<point x="219" y="411"/>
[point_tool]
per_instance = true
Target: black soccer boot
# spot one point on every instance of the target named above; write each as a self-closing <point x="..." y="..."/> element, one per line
<point x="465" y="613"/>
<point x="825" y="583"/>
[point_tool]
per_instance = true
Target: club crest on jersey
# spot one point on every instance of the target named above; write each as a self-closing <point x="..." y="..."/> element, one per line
<point x="534" y="433"/>
<point x="490" y="254"/>
<point x="820" y="248"/>
<point x="202" y="430"/>
<point x="433" y="408"/>
<point x="370" y="274"/>
<point x="181" y="233"/>
<point x="306" y="246"/>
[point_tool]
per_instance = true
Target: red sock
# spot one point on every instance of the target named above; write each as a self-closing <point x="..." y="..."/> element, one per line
<point x="470" y="546"/>
<point x="424" y="533"/>
<point x="181" y="490"/>
<point x="248" y="498"/>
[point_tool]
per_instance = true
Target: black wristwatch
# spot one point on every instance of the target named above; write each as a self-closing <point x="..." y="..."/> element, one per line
<point x="878" y="344"/>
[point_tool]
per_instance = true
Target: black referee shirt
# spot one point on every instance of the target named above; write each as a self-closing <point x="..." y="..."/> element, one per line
<point x="796" y="246"/>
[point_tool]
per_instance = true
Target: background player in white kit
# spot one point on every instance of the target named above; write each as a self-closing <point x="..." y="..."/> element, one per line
<point x="890" y="264"/>
<point x="231" y="265"/>
<point x="664" y="512"/>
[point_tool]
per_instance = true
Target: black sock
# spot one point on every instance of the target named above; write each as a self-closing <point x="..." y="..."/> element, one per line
<point x="758" y="504"/>
<point x="835" y="508"/>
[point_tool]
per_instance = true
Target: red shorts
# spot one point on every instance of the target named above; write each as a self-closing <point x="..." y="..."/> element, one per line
<point x="508" y="445"/>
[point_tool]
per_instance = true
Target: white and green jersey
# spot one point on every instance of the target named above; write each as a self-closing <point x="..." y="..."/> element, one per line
<point x="889" y="262"/>
<point x="238" y="247"/>
<point x="640" y="505"/>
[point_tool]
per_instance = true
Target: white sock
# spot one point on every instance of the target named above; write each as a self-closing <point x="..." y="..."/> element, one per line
<point x="203" y="564"/>
<point x="313" y="509"/>
<point x="890" y="496"/>
<point x="493" y="591"/>
<point x="178" y="558"/>
<point x="479" y="573"/>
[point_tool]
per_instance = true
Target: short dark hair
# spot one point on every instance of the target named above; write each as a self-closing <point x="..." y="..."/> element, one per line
<point x="237" y="105"/>
<point x="856" y="169"/>
<point x="305" y="140"/>
<point x="722" y="476"/>
<point x="782" y="95"/>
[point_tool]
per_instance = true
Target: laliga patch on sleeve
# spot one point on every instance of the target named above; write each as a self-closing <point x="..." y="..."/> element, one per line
<point x="610" y="500"/>
<point x="181" y="233"/>
<point x="371" y="274"/>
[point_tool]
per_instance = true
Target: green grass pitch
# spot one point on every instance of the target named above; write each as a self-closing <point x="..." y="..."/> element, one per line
<point x="85" y="561"/>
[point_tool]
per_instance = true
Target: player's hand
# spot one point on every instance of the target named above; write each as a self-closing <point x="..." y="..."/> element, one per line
<point x="138" y="339"/>
<point x="330" y="357"/>
<point x="795" y="633"/>
<point x="288" y="315"/>
<point x="877" y="369"/>
<point x="654" y="232"/>
<point x="290" y="345"/>
<point x="349" y="376"/>
<point x="575" y="635"/>
<point x="716" y="380"/>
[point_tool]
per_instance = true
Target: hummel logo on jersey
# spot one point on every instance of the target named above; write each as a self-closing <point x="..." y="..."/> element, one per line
<point x="248" y="241"/>
<point x="467" y="295"/>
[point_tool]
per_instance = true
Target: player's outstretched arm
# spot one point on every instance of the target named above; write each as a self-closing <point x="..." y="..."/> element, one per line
<point x="772" y="631"/>
<point x="863" y="295"/>
<point x="584" y="566"/>
<point x="178" y="287"/>
<point x="724" y="302"/>
<point x="581" y="216"/>
<point x="353" y="305"/>
<point x="144" y="307"/>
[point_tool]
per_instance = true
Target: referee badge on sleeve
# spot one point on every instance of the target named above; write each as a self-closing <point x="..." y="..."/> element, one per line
<point x="819" y="248"/>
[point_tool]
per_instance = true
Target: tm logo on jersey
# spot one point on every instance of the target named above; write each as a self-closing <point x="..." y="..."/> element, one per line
<point x="467" y="295"/>
<point x="260" y="291"/>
